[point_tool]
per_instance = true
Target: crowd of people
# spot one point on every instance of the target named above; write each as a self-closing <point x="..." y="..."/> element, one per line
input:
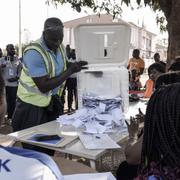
<point x="33" y="92"/>
<point x="136" y="67"/>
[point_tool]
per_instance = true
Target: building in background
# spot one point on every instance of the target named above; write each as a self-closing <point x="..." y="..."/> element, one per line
<point x="141" y="38"/>
<point x="161" y="48"/>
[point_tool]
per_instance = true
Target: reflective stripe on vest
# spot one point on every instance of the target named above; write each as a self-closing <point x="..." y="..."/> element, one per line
<point x="27" y="89"/>
<point x="34" y="89"/>
<point x="62" y="50"/>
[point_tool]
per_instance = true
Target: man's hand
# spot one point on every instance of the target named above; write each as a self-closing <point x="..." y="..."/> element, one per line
<point x="133" y="127"/>
<point x="77" y="66"/>
<point x="46" y="84"/>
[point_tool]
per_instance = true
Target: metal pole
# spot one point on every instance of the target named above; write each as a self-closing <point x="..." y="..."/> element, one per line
<point x="20" y="43"/>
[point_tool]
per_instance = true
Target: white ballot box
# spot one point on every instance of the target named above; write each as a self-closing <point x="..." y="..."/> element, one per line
<point x="106" y="49"/>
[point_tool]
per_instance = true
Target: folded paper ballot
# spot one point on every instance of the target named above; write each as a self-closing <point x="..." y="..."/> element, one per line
<point x="94" y="127"/>
<point x="98" y="141"/>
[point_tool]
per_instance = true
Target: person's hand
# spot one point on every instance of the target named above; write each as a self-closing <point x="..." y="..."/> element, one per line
<point x="133" y="127"/>
<point x="77" y="66"/>
<point x="140" y="116"/>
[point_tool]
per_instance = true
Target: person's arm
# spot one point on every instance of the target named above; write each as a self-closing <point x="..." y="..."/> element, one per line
<point x="142" y="66"/>
<point x="133" y="150"/>
<point x="2" y="63"/>
<point x="46" y="83"/>
<point x="128" y="64"/>
<point x="141" y="71"/>
<point x="34" y="63"/>
<point x="134" y="145"/>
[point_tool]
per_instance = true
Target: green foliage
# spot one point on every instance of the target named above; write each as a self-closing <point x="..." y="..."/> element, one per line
<point x="114" y="7"/>
<point x="154" y="4"/>
<point x="160" y="20"/>
<point x="109" y="6"/>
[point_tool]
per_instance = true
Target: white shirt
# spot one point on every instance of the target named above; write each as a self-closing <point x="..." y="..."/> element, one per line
<point x="22" y="164"/>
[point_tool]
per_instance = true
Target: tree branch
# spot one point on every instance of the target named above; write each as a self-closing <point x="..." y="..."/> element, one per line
<point x="166" y="7"/>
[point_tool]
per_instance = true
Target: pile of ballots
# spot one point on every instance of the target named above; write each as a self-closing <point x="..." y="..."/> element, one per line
<point x="102" y="103"/>
<point x="98" y="115"/>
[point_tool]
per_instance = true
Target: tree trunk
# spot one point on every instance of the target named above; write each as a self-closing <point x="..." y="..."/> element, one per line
<point x="173" y="26"/>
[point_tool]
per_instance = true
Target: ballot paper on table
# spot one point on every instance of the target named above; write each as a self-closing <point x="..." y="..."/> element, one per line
<point x="65" y="120"/>
<point x="94" y="127"/>
<point x="118" y="116"/>
<point x="98" y="141"/>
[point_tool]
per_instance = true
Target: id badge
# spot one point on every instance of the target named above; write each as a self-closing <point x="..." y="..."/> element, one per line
<point x="11" y="72"/>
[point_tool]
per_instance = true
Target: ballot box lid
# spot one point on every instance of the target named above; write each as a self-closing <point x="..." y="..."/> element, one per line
<point x="103" y="43"/>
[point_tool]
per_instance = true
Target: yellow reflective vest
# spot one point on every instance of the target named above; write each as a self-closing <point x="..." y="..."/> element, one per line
<point x="27" y="90"/>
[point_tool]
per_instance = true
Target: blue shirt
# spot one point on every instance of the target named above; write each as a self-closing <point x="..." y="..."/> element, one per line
<point x="35" y="65"/>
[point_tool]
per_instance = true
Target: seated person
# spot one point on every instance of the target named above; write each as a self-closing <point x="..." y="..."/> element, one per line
<point x="149" y="86"/>
<point x="154" y="71"/>
<point x="135" y="66"/>
<point x="136" y="62"/>
<point x="159" y="145"/>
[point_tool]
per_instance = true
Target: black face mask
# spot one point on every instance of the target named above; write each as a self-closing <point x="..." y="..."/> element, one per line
<point x="53" y="37"/>
<point x="12" y="53"/>
<point x="10" y="50"/>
